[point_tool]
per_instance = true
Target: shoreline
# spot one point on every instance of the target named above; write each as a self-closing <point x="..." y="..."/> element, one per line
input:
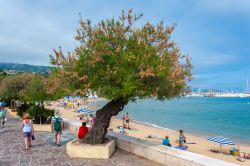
<point x="198" y="143"/>
<point x="205" y="136"/>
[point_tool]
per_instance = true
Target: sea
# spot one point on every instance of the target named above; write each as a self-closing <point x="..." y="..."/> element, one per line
<point x="203" y="116"/>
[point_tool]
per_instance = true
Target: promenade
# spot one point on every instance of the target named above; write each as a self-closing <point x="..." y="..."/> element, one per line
<point x="12" y="152"/>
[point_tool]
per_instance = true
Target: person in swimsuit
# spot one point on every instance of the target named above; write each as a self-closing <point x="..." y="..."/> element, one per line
<point x="127" y="120"/>
<point x="182" y="138"/>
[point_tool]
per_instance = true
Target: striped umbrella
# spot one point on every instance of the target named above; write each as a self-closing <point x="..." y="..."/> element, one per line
<point x="221" y="140"/>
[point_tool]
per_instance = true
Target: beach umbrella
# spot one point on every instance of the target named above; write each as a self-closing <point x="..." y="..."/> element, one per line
<point x="221" y="140"/>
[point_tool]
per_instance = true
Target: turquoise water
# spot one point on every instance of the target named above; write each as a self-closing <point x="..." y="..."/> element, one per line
<point x="229" y="117"/>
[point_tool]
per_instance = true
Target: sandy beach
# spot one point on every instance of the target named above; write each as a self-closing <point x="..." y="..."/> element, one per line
<point x="196" y="144"/>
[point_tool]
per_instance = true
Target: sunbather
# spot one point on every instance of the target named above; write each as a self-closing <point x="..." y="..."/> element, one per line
<point x="182" y="138"/>
<point x="244" y="156"/>
<point x="166" y="141"/>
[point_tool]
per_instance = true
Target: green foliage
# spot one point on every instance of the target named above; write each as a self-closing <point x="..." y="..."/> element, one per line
<point x="13" y="86"/>
<point x="56" y="85"/>
<point x="38" y="114"/>
<point x="119" y="60"/>
<point x="35" y="89"/>
<point x="22" y="109"/>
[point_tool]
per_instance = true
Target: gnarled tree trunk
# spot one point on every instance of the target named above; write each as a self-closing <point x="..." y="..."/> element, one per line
<point x="103" y="116"/>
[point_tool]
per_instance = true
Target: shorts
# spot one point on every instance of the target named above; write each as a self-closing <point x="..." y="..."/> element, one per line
<point x="27" y="134"/>
<point x="58" y="132"/>
<point x="127" y="121"/>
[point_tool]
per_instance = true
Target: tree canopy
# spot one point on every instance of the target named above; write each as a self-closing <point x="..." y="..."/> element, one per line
<point x="118" y="59"/>
<point x="35" y="90"/>
<point x="12" y="87"/>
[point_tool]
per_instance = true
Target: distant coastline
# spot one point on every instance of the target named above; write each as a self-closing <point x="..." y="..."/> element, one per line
<point x="16" y="67"/>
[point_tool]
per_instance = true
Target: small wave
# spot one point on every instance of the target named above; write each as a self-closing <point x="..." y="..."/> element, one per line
<point x="153" y="125"/>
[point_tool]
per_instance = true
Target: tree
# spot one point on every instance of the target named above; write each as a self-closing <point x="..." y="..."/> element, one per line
<point x="121" y="62"/>
<point x="12" y="86"/>
<point x="36" y="91"/>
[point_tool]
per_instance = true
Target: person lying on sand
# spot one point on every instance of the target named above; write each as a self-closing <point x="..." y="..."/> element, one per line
<point x="243" y="156"/>
<point x="122" y="130"/>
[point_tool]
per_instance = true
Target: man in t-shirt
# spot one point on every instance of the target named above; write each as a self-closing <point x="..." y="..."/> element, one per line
<point x="166" y="141"/>
<point x="82" y="132"/>
<point x="57" y="127"/>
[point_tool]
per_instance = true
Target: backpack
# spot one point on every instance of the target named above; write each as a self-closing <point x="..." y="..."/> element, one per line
<point x="2" y="114"/>
<point x="57" y="124"/>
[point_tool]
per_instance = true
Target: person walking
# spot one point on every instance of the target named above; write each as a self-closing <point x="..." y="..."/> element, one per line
<point x="57" y="127"/>
<point x="28" y="130"/>
<point x="2" y="118"/>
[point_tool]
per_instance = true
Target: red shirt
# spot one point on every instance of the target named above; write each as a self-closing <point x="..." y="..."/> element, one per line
<point x="83" y="130"/>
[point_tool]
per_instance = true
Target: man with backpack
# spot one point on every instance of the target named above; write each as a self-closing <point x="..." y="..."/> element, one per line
<point x="57" y="127"/>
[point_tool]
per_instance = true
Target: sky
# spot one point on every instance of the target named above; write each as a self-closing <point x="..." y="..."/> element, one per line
<point x="215" y="33"/>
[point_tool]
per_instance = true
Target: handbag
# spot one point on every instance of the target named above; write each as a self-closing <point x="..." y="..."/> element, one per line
<point x="33" y="137"/>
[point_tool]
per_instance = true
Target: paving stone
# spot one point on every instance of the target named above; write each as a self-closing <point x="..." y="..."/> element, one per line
<point x="42" y="153"/>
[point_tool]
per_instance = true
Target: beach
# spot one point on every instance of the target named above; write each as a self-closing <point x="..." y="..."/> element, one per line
<point x="196" y="143"/>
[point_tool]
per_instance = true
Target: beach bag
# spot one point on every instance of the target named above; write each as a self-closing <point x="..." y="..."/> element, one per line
<point x="235" y="152"/>
<point x="33" y="137"/>
<point x="57" y="124"/>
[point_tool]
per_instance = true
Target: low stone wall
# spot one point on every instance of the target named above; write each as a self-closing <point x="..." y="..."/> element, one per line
<point x="161" y="154"/>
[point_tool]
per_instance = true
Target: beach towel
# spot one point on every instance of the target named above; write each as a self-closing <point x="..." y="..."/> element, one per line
<point x="181" y="147"/>
<point x="150" y="136"/>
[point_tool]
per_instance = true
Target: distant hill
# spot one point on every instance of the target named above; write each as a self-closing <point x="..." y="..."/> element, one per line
<point x="24" y="67"/>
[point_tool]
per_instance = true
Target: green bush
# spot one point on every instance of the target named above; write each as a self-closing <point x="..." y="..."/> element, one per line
<point x="23" y="108"/>
<point x="39" y="115"/>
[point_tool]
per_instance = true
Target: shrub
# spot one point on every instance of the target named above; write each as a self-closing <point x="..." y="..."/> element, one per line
<point x="39" y="115"/>
<point x="22" y="109"/>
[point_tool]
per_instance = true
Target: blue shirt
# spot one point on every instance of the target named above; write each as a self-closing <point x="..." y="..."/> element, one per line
<point x="165" y="142"/>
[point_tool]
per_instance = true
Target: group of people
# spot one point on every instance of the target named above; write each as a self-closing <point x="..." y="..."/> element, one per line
<point x="57" y="127"/>
<point x="29" y="132"/>
<point x="181" y="140"/>
<point x="88" y="119"/>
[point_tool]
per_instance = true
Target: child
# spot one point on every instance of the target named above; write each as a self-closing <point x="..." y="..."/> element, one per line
<point x="166" y="141"/>
<point x="82" y="132"/>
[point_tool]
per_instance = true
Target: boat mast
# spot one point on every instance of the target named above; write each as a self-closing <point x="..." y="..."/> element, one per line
<point x="247" y="87"/>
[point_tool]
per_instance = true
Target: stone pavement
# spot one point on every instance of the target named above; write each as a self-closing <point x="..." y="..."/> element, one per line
<point x="12" y="152"/>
